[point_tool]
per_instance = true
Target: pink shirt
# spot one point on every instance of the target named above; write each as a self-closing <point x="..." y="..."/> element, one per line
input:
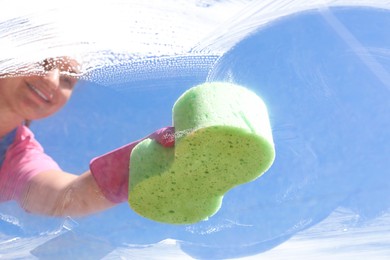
<point x="24" y="158"/>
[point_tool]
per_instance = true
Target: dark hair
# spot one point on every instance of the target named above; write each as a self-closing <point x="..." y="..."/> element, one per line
<point x="27" y="122"/>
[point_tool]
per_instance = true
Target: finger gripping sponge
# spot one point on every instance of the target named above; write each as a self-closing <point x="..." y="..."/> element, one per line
<point x="223" y="139"/>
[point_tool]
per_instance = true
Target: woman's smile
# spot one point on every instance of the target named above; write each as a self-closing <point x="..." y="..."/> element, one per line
<point x="41" y="94"/>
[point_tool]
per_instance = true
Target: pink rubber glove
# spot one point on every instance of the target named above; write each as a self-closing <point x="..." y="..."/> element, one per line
<point x="111" y="170"/>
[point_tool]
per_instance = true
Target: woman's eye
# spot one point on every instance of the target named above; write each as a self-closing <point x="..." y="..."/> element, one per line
<point x="68" y="82"/>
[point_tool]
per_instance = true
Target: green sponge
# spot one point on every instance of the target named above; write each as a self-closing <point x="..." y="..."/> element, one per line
<point x="223" y="138"/>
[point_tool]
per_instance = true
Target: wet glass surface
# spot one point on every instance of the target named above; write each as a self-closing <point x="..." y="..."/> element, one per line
<point x="324" y="74"/>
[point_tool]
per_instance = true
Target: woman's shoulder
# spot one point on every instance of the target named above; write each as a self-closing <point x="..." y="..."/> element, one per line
<point x="23" y="132"/>
<point x="24" y="138"/>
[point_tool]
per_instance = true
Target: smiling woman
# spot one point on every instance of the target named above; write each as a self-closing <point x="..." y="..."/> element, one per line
<point x="31" y="177"/>
<point x="29" y="97"/>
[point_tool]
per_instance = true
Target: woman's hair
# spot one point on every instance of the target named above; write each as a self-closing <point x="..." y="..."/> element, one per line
<point x="27" y="122"/>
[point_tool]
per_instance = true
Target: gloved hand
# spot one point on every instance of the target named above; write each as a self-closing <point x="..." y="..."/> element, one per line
<point x="111" y="170"/>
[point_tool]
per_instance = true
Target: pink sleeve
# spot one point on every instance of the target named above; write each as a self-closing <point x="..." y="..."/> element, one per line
<point x="24" y="159"/>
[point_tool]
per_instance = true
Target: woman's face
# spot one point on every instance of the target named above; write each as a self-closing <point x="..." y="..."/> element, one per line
<point x="38" y="96"/>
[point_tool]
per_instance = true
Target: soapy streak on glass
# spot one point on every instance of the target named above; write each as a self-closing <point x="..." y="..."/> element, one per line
<point x="149" y="30"/>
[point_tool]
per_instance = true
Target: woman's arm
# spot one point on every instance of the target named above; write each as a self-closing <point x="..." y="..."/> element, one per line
<point x="58" y="193"/>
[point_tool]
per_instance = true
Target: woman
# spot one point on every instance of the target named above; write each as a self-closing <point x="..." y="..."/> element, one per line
<point x="31" y="177"/>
